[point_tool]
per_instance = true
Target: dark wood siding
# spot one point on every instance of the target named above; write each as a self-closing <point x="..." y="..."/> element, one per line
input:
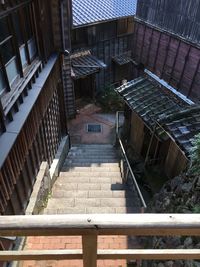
<point x="170" y="58"/>
<point x="38" y="140"/>
<point x="105" y="40"/>
<point x="180" y="17"/>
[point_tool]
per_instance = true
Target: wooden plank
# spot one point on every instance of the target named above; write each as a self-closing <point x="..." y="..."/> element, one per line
<point x="129" y="254"/>
<point x="41" y="255"/>
<point x="150" y="254"/>
<point x="106" y="224"/>
<point x="89" y="250"/>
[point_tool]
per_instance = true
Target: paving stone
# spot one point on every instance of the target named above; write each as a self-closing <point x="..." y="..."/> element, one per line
<point x="69" y="194"/>
<point x="117" y="202"/>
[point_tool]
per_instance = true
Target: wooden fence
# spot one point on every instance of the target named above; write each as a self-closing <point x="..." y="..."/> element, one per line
<point x="92" y="226"/>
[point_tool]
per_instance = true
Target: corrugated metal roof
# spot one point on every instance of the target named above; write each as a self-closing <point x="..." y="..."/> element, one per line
<point x="93" y="11"/>
<point x="83" y="64"/>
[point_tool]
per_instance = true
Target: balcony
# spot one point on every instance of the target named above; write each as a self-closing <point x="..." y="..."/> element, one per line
<point x="92" y="226"/>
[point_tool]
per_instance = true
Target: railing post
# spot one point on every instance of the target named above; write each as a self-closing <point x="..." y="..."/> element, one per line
<point x="89" y="243"/>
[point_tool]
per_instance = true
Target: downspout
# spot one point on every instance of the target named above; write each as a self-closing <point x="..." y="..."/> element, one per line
<point x="64" y="50"/>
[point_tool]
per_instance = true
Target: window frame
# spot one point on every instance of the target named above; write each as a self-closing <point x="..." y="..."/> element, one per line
<point x="23" y="64"/>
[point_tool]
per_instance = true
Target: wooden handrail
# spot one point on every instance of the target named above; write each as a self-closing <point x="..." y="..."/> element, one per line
<point x="106" y="224"/>
<point x="91" y="226"/>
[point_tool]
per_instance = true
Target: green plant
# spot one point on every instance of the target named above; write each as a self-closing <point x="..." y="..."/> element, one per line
<point x="110" y="100"/>
<point x="196" y="209"/>
<point x="195" y="155"/>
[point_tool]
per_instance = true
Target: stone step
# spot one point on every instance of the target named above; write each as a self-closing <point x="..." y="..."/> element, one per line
<point x="90" y="186"/>
<point x="94" y="164"/>
<point x="91" y="156"/>
<point x="93" y="210"/>
<point x="102" y="162"/>
<point x="60" y="193"/>
<point x="89" y="174"/>
<point x="99" y="146"/>
<point x="72" y="173"/>
<point x="91" y="169"/>
<point x="91" y="202"/>
<point x="91" y="179"/>
<point x="92" y="150"/>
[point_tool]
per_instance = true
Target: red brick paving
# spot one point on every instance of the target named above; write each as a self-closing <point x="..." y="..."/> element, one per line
<point x="71" y="242"/>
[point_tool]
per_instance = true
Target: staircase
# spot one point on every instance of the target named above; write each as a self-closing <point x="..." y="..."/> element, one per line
<point x="90" y="182"/>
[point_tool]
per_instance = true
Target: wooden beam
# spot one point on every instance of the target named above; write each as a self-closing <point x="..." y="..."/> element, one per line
<point x="41" y="255"/>
<point x="150" y="254"/>
<point x="106" y="224"/>
<point x="89" y="250"/>
<point x="129" y="254"/>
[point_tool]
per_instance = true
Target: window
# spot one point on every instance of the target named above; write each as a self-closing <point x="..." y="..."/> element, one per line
<point x="17" y="47"/>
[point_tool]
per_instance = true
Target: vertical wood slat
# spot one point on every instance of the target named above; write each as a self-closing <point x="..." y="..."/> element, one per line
<point x="37" y="141"/>
<point x="89" y="243"/>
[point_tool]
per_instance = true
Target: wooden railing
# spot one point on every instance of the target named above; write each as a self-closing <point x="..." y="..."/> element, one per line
<point x="92" y="226"/>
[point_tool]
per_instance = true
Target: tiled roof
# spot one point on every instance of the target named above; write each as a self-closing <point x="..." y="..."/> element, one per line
<point x="183" y="126"/>
<point x="83" y="64"/>
<point x="150" y="101"/>
<point x="158" y="106"/>
<point x="92" y="11"/>
<point x="122" y="59"/>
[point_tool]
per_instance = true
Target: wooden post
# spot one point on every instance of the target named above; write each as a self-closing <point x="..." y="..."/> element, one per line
<point x="89" y="250"/>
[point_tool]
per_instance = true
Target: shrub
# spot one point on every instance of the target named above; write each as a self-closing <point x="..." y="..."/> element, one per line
<point x="195" y="155"/>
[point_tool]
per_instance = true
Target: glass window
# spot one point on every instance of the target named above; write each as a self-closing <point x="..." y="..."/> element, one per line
<point x="4" y="29"/>
<point x="23" y="55"/>
<point x="16" y="53"/>
<point x="2" y="82"/>
<point x="32" y="48"/>
<point x="12" y="70"/>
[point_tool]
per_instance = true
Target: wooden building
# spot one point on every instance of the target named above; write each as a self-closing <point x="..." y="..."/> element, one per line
<point x="167" y="43"/>
<point x="105" y="28"/>
<point x="32" y="111"/>
<point x="161" y="124"/>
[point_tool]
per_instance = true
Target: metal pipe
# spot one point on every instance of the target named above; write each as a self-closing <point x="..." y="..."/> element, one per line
<point x="127" y="161"/>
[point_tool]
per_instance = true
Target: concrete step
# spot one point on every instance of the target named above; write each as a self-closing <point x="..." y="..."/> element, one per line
<point x="60" y="193"/>
<point x="94" y="210"/>
<point x="92" y="202"/>
<point x="98" y="146"/>
<point x="91" y="156"/>
<point x="90" y="186"/>
<point x="91" y="169"/>
<point x="93" y="150"/>
<point x="101" y="162"/>
<point x="94" y="164"/>
<point x="79" y="173"/>
<point x="85" y="179"/>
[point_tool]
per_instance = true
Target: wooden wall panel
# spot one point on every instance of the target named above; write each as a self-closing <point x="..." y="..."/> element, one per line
<point x="176" y="161"/>
<point x="170" y="58"/>
<point x="37" y="141"/>
<point x="137" y="132"/>
<point x="180" y="17"/>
